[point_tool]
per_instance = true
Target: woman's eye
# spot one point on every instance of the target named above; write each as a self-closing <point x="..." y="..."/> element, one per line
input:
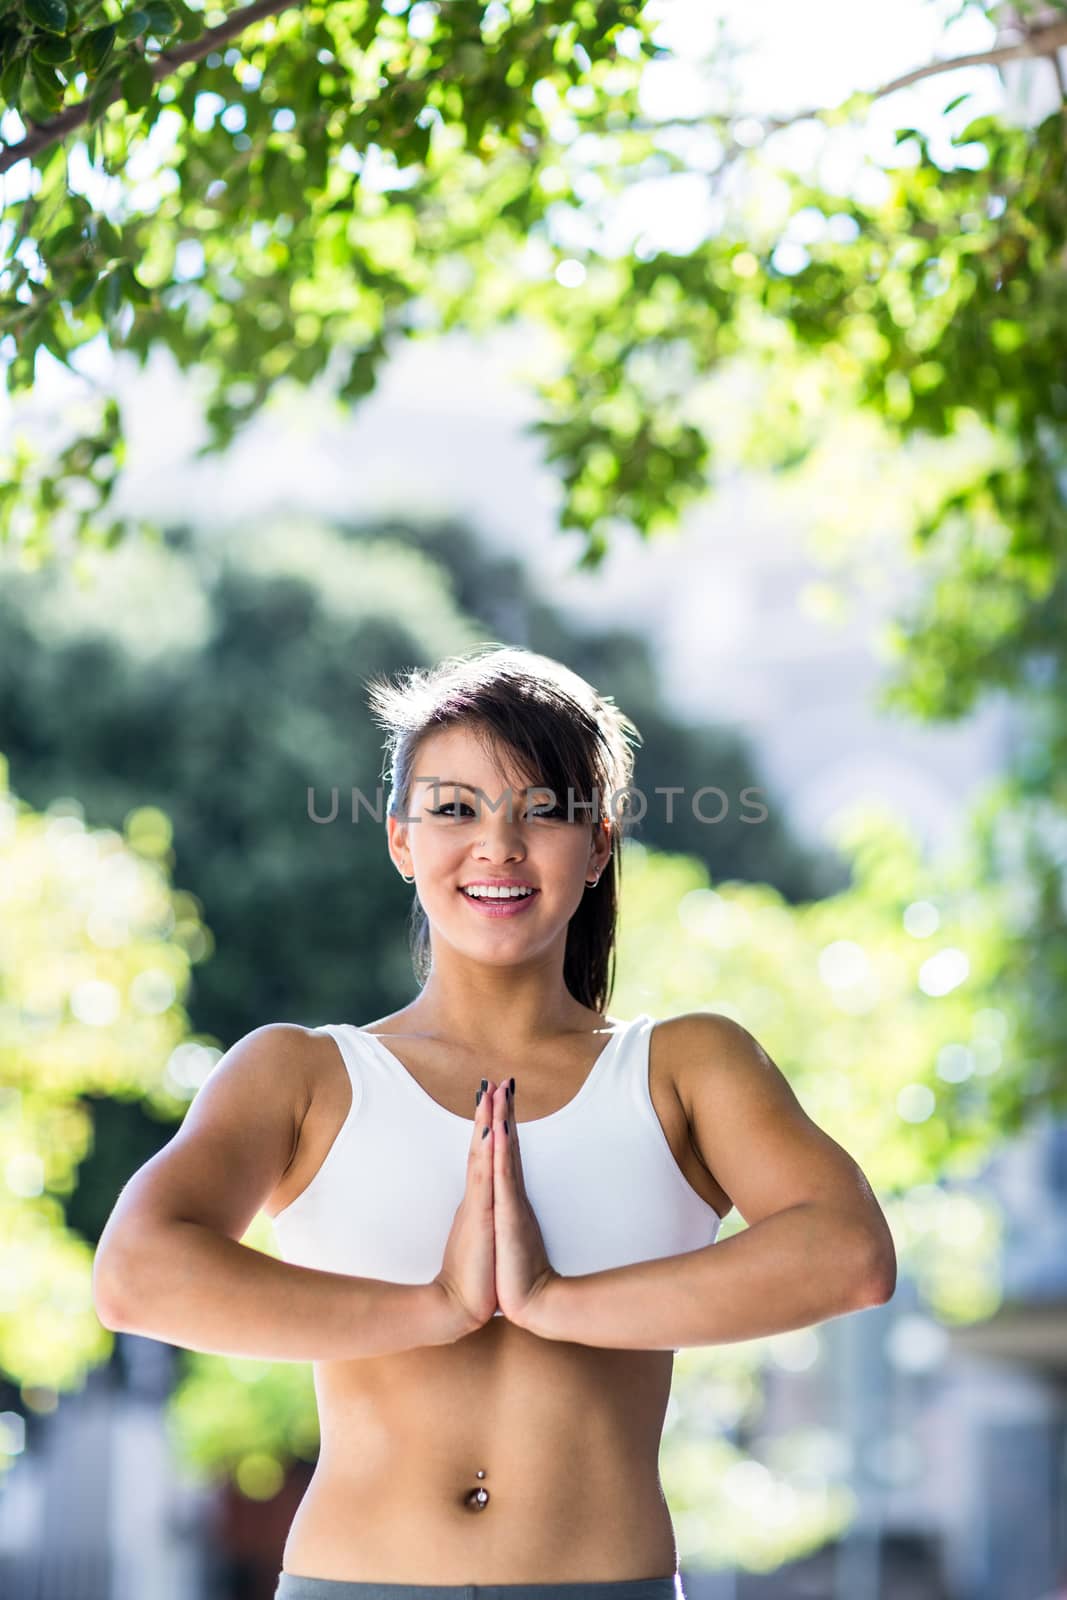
<point x="535" y="811"/>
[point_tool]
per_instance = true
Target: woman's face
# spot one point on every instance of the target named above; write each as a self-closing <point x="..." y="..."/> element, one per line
<point x="460" y="832"/>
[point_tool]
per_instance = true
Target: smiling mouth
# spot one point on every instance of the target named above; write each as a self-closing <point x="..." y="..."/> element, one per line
<point x="504" y="905"/>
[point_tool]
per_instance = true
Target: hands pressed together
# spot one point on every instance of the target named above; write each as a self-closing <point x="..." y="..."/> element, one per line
<point x="495" y="1255"/>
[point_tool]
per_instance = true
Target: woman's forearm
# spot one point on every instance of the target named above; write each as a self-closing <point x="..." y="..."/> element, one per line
<point x="796" y="1268"/>
<point x="187" y="1285"/>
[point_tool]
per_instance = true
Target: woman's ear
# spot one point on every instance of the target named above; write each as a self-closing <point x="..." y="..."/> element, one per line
<point x="601" y="846"/>
<point x="397" y="837"/>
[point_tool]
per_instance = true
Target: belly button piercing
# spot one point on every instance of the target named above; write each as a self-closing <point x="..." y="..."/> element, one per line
<point x="478" y="1499"/>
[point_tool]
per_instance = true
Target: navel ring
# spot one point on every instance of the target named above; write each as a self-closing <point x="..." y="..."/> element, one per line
<point x="478" y="1498"/>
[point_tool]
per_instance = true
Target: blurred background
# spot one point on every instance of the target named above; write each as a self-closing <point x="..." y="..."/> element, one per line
<point x="761" y="428"/>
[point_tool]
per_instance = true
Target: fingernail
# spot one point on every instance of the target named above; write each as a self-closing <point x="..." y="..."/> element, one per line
<point x="485" y="1131"/>
<point x="511" y="1087"/>
<point x="478" y="1097"/>
<point x="505" y="1124"/>
<point x="485" y="1084"/>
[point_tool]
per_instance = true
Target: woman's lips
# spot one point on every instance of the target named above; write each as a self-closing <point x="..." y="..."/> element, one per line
<point x="506" y="907"/>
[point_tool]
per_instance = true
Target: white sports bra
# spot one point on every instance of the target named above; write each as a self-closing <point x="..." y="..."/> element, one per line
<point x="600" y="1174"/>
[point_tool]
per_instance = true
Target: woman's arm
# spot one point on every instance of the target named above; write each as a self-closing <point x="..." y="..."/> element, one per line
<point x="798" y="1267"/>
<point x="170" y="1263"/>
<point x="817" y="1244"/>
<point x="187" y="1285"/>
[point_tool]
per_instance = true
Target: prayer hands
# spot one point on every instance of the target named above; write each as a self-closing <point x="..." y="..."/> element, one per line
<point x="522" y="1265"/>
<point x="495" y="1255"/>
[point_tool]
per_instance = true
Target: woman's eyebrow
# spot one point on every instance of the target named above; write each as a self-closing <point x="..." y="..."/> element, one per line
<point x="453" y="783"/>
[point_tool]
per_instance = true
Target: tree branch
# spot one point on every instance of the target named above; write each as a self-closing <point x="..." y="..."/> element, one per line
<point x="44" y="134"/>
<point x="1041" y="42"/>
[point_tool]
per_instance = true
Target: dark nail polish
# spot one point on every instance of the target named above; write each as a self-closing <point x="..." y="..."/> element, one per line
<point x="505" y="1124"/>
<point x="485" y="1084"/>
<point x="478" y="1097"/>
<point x="485" y="1131"/>
<point x="511" y="1087"/>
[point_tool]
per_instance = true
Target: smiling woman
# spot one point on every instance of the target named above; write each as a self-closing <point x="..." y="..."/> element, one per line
<point x="498" y="1208"/>
<point x="501" y="739"/>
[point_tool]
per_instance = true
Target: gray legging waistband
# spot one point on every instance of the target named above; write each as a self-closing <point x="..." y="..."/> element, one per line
<point x="293" y="1587"/>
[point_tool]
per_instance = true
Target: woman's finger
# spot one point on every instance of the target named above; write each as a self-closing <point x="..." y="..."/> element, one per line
<point x="516" y="1153"/>
<point x="481" y="1146"/>
<point x="483" y="1101"/>
<point x="501" y="1134"/>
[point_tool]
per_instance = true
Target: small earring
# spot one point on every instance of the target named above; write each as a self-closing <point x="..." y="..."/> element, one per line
<point x="408" y="880"/>
<point x="591" y="884"/>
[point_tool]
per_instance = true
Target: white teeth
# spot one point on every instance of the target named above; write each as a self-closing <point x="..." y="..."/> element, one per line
<point x="497" y="894"/>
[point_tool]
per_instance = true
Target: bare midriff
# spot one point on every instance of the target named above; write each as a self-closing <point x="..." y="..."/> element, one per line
<point x="503" y="1457"/>
<point x="567" y="1437"/>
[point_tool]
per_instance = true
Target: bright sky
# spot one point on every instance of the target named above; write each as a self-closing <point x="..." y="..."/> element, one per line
<point x="818" y="53"/>
<point x="787" y="57"/>
<point x="784" y="57"/>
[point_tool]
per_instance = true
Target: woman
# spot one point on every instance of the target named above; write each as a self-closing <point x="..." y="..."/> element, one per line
<point x="498" y="1215"/>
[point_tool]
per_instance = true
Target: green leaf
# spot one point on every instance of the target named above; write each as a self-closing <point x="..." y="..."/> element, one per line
<point x="131" y="26"/>
<point x="11" y="81"/>
<point x="51" y="335"/>
<point x="55" y="52"/>
<point x="51" y="15"/>
<point x="986" y="127"/>
<point x="104" y="91"/>
<point x="135" y="289"/>
<point x="68" y="237"/>
<point x="960" y="98"/>
<point x="108" y="295"/>
<point x="49" y="84"/>
<point x="137" y="84"/>
<point x="82" y="287"/>
<point x="94" y="48"/>
<point x="192" y="22"/>
<point x="163" y="20"/>
<point x="109" y="237"/>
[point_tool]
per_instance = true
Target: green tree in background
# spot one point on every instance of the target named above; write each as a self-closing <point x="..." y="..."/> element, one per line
<point x="331" y="180"/>
<point x="96" y="950"/>
<point x="222" y="680"/>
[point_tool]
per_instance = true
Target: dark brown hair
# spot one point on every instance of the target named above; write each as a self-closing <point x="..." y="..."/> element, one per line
<point x="562" y="734"/>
